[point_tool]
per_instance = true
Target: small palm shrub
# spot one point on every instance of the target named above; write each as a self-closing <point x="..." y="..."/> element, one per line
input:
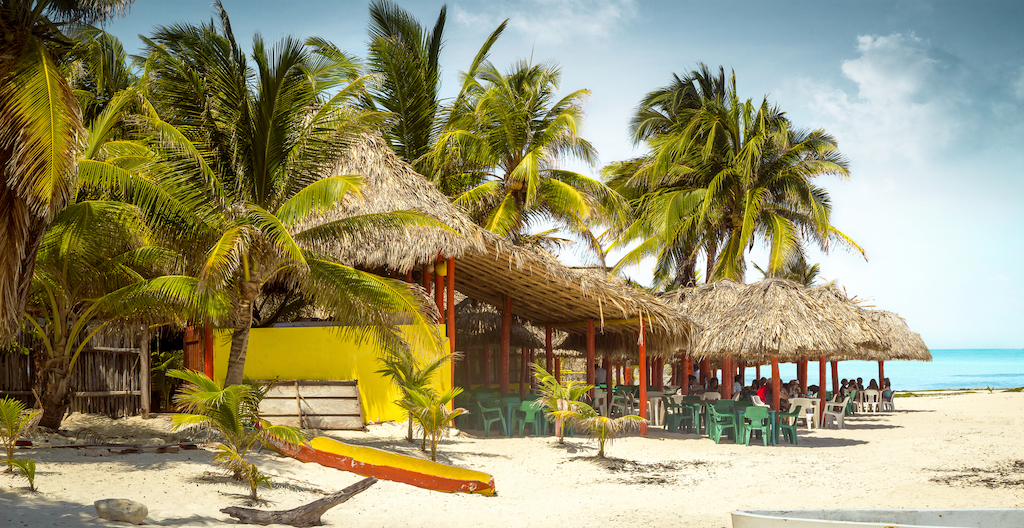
<point x="26" y="468"/>
<point x="234" y="413"/>
<point x="601" y="428"/>
<point x="431" y="412"/>
<point x="14" y="420"/>
<point x="411" y="375"/>
<point x="552" y="392"/>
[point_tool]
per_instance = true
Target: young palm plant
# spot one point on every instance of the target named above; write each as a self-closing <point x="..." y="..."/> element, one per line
<point x="406" y="370"/>
<point x="558" y="397"/>
<point x="601" y="428"/>
<point x="14" y="420"/>
<point x="232" y="411"/>
<point x="430" y="410"/>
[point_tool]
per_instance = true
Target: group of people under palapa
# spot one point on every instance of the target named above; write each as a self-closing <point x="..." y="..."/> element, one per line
<point x="762" y="388"/>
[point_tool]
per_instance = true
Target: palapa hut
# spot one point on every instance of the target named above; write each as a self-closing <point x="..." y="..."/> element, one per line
<point x="777" y="319"/>
<point x="900" y="342"/>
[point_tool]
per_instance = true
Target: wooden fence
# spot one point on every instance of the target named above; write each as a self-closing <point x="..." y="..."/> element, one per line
<point x="314" y="404"/>
<point x="111" y="377"/>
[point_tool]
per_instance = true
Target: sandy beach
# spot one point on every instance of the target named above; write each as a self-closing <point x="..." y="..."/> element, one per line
<point x="937" y="451"/>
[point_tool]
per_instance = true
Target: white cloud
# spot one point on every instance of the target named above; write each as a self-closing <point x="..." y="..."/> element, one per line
<point x="551" y="21"/>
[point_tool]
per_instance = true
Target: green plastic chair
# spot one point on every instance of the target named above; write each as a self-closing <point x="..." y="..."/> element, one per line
<point x="851" y="408"/>
<point x="755" y="417"/>
<point x="529" y="413"/>
<point x="490" y="412"/>
<point x="677" y="414"/>
<point x="789" y="428"/>
<point x="720" y="419"/>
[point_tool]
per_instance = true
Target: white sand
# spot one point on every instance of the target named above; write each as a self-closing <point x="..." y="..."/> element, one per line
<point x="959" y="450"/>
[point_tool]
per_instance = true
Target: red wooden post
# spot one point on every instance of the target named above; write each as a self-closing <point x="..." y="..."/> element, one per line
<point x="743" y="373"/>
<point x="426" y="278"/>
<point x="725" y="387"/>
<point x="522" y="372"/>
<point x="643" y="377"/>
<point x="705" y="371"/>
<point x="835" y="378"/>
<point x="558" y="369"/>
<point x="590" y="354"/>
<point x="439" y="293"/>
<point x="684" y="384"/>
<point x="757" y="372"/>
<point x="628" y="374"/>
<point x="408" y="276"/>
<point x="776" y="386"/>
<point x="208" y="351"/>
<point x="661" y="374"/>
<point x="549" y="350"/>
<point x="821" y="389"/>
<point x="803" y="383"/>
<point x="450" y="308"/>
<point x="506" y="338"/>
<point x="487" y="366"/>
<point x="881" y="374"/>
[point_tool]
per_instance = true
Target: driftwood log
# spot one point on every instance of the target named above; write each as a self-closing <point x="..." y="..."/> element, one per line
<point x="307" y="515"/>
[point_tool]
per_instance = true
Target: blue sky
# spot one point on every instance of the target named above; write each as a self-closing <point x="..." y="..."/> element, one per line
<point x="926" y="99"/>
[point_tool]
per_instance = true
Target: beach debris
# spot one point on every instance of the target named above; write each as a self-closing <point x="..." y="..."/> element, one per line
<point x="307" y="515"/>
<point x="121" y="510"/>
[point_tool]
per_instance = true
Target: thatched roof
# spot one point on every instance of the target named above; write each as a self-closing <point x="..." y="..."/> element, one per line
<point x="893" y="331"/>
<point x="390" y="184"/>
<point x="479" y="324"/>
<point x="546" y="292"/>
<point x="780" y="317"/>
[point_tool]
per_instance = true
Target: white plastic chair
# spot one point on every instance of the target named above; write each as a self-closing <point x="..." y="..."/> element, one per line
<point x="887" y="404"/>
<point x="872" y="400"/>
<point x="757" y="401"/>
<point x="835" y="412"/>
<point x="711" y="396"/>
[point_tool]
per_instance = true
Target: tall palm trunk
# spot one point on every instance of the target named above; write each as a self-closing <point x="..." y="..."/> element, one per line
<point x="53" y="389"/>
<point x="240" y="336"/>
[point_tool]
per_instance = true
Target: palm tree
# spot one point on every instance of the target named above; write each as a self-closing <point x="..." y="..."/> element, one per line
<point x="558" y="397"/>
<point x="431" y="412"/>
<point x="731" y="173"/>
<point x="404" y="55"/>
<point x="506" y="137"/>
<point x="796" y="270"/>
<point x="412" y="375"/>
<point x="233" y="412"/>
<point x="95" y="266"/>
<point x="39" y="126"/>
<point x="663" y="195"/>
<point x="257" y="138"/>
<point x="601" y="428"/>
<point x="14" y="420"/>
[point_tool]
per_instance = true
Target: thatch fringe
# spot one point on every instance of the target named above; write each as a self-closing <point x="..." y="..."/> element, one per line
<point x="901" y="342"/>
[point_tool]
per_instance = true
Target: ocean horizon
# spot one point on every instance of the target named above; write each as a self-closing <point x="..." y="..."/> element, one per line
<point x="949" y="369"/>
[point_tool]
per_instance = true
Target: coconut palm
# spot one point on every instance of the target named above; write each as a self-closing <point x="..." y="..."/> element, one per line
<point x="555" y="396"/>
<point x="508" y="136"/>
<point x="14" y="420"/>
<point x="412" y="375"/>
<point x="601" y="428"/>
<point x="39" y="127"/>
<point x="730" y="174"/>
<point x="96" y="266"/>
<point x="404" y="56"/>
<point x="257" y="137"/>
<point x="232" y="411"/>
<point x="97" y="69"/>
<point x="431" y="411"/>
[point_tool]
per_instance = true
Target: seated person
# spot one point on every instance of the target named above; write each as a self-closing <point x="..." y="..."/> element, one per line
<point x="737" y="386"/>
<point x="694" y="387"/>
<point x="713" y="385"/>
<point x="873" y="385"/>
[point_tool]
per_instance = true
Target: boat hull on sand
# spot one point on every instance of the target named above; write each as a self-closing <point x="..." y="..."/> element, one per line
<point x="384" y="465"/>
<point x="881" y="518"/>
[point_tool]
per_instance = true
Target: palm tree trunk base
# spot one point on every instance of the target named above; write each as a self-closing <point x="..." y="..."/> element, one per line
<point x="306" y="515"/>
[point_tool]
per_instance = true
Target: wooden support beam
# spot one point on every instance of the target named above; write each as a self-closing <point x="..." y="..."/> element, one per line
<point x="549" y="359"/>
<point x="506" y="338"/>
<point x="558" y="369"/>
<point x="684" y="385"/>
<point x="725" y="384"/>
<point x="590" y="354"/>
<point x="835" y="377"/>
<point x="643" y="378"/>
<point x="776" y="385"/>
<point x="145" y="382"/>
<point x="821" y="389"/>
<point x="881" y="374"/>
<point x="439" y="292"/>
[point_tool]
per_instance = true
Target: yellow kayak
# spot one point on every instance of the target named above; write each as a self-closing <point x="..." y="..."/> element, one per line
<point x="370" y="462"/>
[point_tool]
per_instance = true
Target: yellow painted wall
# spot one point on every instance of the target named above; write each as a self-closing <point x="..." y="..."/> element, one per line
<point x="319" y="353"/>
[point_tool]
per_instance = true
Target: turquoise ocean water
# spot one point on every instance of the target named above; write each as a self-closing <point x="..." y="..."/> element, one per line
<point x="949" y="369"/>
